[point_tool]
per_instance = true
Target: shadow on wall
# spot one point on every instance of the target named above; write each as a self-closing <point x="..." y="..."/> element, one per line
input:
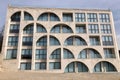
<point x="1" y="40"/>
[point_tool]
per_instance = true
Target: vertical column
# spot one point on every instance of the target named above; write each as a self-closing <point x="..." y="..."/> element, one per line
<point x="33" y="47"/>
<point x="47" y="60"/>
<point x="87" y="31"/>
<point x="62" y="56"/>
<point x="5" y="37"/>
<point x="114" y="36"/>
<point x="20" y="39"/>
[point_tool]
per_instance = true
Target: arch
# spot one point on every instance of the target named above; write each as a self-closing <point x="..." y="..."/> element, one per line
<point x="75" y="40"/>
<point x="56" y="54"/>
<point x="54" y="41"/>
<point x="104" y="66"/>
<point x="40" y="29"/>
<point x="76" y="67"/>
<point x="48" y="16"/>
<point x="16" y="16"/>
<point x="28" y="29"/>
<point x="61" y="28"/>
<point x="89" y="53"/>
<point x="42" y="41"/>
<point x="28" y="16"/>
<point x="67" y="54"/>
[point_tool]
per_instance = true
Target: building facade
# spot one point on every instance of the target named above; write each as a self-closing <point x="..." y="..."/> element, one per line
<point x="60" y="40"/>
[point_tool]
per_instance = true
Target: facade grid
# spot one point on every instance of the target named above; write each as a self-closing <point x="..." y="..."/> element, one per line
<point x="60" y="40"/>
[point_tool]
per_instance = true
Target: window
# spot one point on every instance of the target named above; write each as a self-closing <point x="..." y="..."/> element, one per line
<point x="56" y="29"/>
<point x="11" y="54"/>
<point x="43" y="17"/>
<point x="25" y="66"/>
<point x="40" y="29"/>
<point x="92" y="17"/>
<point x="28" y="29"/>
<point x="61" y="28"/>
<point x="67" y="17"/>
<point x="106" y="28"/>
<point x="16" y="17"/>
<point x="67" y="54"/>
<point x="66" y="29"/>
<point x="93" y="28"/>
<point x="27" y="41"/>
<point x="26" y="54"/>
<point x="81" y="28"/>
<point x="56" y="54"/>
<point x="48" y="17"/>
<point x="76" y="67"/>
<point x="13" y="41"/>
<point x="74" y="41"/>
<point x="107" y="40"/>
<point x="41" y="54"/>
<point x="14" y="28"/>
<point x="54" y="41"/>
<point x="88" y="53"/>
<point x="94" y="40"/>
<point x="104" y="67"/>
<point x="55" y="65"/>
<point x="42" y="41"/>
<point x="27" y="16"/>
<point x="104" y="17"/>
<point x="40" y="65"/>
<point x="70" y="67"/>
<point x="109" y="53"/>
<point x="54" y="17"/>
<point x="80" y="17"/>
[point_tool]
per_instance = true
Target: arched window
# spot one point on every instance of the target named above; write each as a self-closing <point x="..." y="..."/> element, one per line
<point x="73" y="40"/>
<point x="76" y="67"/>
<point x="54" y="41"/>
<point x="56" y="54"/>
<point x="67" y="54"/>
<point x="27" y="16"/>
<point x="16" y="17"/>
<point x="54" y="17"/>
<point x="61" y="28"/>
<point x="28" y="29"/>
<point x="42" y="41"/>
<point x="40" y="29"/>
<point x="89" y="53"/>
<point x="104" y="66"/>
<point x="48" y="17"/>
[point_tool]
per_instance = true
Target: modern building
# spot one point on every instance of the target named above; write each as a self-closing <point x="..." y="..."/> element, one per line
<point x="56" y="40"/>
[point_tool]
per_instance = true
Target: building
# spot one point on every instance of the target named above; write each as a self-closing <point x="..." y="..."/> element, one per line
<point x="54" y="40"/>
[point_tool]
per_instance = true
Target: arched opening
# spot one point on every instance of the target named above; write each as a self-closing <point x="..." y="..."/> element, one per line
<point x="61" y="28"/>
<point x="67" y="54"/>
<point x="54" y="41"/>
<point x="48" y="17"/>
<point x="42" y="41"/>
<point x="75" y="40"/>
<point x="56" y="54"/>
<point x="104" y="66"/>
<point x="40" y="29"/>
<point x="16" y="17"/>
<point x="28" y="29"/>
<point x="89" y="53"/>
<point x="28" y="16"/>
<point x="76" y="67"/>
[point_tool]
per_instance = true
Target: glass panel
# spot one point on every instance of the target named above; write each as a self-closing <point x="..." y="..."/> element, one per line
<point x="43" y="17"/>
<point x="27" y="16"/>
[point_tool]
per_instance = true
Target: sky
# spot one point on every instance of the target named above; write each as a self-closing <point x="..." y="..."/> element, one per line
<point x="114" y="5"/>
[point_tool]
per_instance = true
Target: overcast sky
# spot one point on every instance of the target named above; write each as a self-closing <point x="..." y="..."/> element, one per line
<point x="114" y="5"/>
